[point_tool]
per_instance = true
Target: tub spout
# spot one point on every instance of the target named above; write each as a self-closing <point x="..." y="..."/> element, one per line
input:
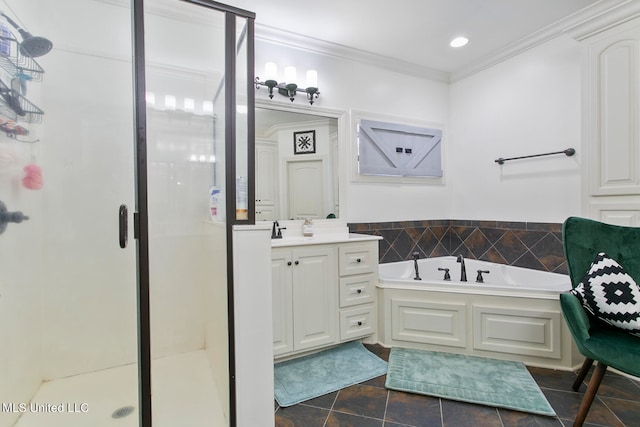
<point x="463" y="269"/>
<point x="416" y="255"/>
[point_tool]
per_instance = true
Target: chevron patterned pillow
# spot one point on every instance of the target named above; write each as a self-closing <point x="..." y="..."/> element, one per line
<point x="610" y="294"/>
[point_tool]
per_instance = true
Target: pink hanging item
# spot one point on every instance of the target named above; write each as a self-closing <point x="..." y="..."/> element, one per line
<point x="33" y="178"/>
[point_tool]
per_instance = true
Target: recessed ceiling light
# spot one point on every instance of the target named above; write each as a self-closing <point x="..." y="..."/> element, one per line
<point x="459" y="42"/>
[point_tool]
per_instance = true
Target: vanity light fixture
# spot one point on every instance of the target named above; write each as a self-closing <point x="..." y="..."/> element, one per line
<point x="288" y="89"/>
<point x="459" y="42"/>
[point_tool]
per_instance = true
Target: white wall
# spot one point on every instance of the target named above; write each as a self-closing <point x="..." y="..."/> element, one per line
<point x="349" y="85"/>
<point x="529" y="104"/>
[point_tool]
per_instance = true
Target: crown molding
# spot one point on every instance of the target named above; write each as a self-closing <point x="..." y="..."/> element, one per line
<point x="167" y="9"/>
<point x="580" y="25"/>
<point x="617" y="14"/>
<point x="584" y="20"/>
<point x="273" y="129"/>
<point x="322" y="47"/>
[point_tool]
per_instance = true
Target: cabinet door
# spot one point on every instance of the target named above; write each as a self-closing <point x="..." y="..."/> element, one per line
<point x="265" y="213"/>
<point x="282" y="302"/>
<point x="315" y="297"/>
<point x="614" y="127"/>
<point x="266" y="174"/>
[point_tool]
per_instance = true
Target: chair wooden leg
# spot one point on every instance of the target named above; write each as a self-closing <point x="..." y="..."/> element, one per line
<point x="582" y="374"/>
<point x="590" y="394"/>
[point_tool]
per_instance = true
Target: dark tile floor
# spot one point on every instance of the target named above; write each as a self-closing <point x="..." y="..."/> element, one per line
<point x="370" y="404"/>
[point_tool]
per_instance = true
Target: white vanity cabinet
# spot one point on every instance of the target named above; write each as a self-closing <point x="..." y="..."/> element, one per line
<point x="323" y="294"/>
<point x="305" y="298"/>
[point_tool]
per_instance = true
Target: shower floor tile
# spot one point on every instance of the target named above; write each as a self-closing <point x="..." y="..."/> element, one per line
<point x="184" y="393"/>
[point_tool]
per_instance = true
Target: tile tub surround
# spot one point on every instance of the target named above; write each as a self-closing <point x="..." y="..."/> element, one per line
<point x="532" y="245"/>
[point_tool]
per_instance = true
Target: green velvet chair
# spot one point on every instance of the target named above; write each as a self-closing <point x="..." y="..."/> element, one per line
<point x="583" y="239"/>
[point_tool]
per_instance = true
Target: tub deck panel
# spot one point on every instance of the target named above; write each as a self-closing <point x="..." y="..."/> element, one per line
<point x="525" y="332"/>
<point x="514" y="315"/>
<point x="428" y="322"/>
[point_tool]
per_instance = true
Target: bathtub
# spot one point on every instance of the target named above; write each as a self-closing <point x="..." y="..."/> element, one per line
<point x="513" y="314"/>
<point x="500" y="280"/>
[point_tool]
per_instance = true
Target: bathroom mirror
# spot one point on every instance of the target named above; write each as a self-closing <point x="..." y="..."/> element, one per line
<point x="297" y="168"/>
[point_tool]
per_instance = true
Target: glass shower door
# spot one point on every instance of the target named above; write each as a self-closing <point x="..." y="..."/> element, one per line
<point x="185" y="93"/>
<point x="68" y="304"/>
<point x="70" y="300"/>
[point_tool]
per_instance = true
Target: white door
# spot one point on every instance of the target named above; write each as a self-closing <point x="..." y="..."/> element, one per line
<point x="306" y="189"/>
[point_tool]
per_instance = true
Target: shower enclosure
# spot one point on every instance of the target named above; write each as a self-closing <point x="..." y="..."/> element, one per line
<point x="114" y="293"/>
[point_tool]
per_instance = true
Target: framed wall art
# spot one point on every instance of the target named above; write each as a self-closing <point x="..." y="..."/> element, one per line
<point x="304" y="142"/>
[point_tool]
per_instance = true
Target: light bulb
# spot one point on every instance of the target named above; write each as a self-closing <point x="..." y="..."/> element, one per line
<point x="207" y="107"/>
<point x="169" y="102"/>
<point x="312" y="78"/>
<point x="290" y="74"/>
<point x="151" y="98"/>
<point x="270" y="71"/>
<point x="459" y="42"/>
<point x="189" y="105"/>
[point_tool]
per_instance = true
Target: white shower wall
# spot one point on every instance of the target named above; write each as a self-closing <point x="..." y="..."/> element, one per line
<point x="74" y="307"/>
<point x="21" y="284"/>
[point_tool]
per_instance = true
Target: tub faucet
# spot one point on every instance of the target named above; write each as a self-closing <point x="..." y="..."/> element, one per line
<point x="416" y="255"/>
<point x="463" y="269"/>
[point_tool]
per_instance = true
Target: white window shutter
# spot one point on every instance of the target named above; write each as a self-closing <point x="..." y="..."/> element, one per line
<point x="399" y="150"/>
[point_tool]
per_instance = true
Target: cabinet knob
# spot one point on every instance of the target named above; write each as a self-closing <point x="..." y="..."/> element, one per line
<point x="289" y="263"/>
<point x="358" y="260"/>
<point x="359" y="323"/>
<point x="297" y="262"/>
<point x="359" y="291"/>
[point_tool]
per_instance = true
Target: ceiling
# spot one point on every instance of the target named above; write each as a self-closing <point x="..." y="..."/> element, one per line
<point x="419" y="31"/>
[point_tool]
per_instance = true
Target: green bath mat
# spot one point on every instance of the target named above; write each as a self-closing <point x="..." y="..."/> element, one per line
<point x="492" y="382"/>
<point x="321" y="373"/>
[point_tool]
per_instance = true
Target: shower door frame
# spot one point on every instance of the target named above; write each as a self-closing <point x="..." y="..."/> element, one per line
<point x="141" y="214"/>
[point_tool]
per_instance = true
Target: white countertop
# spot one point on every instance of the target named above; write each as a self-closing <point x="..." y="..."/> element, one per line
<point x="321" y="239"/>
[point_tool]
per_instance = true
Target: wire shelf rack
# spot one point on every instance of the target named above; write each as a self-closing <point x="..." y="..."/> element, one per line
<point x="16" y="107"/>
<point x="16" y="64"/>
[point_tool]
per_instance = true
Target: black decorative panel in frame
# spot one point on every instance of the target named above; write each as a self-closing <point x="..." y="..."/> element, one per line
<point x="304" y="142"/>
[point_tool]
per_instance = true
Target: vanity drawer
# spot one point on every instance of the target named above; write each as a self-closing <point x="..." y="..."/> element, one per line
<point x="357" y="322"/>
<point x="360" y="289"/>
<point x="358" y="259"/>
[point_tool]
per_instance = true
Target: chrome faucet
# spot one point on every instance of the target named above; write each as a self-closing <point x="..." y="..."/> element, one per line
<point x="416" y="255"/>
<point x="463" y="269"/>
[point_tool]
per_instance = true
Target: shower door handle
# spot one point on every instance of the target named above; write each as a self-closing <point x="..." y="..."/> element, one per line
<point x="123" y="225"/>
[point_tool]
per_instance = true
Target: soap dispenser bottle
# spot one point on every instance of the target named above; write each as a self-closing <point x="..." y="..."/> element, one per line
<point x="307" y="227"/>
